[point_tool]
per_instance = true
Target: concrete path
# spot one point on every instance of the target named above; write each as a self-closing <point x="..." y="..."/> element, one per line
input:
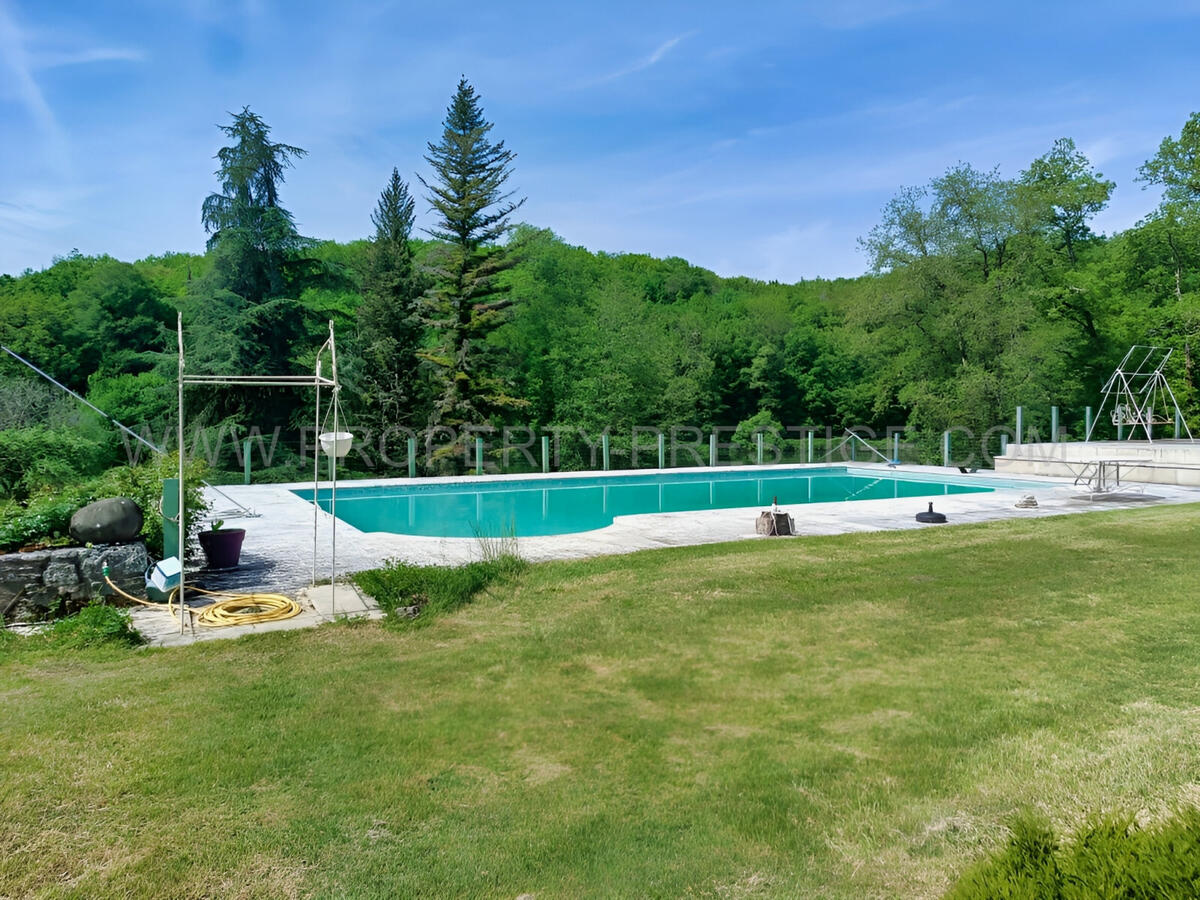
<point x="317" y="605"/>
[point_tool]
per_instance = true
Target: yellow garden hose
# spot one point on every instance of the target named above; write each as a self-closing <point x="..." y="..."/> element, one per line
<point x="234" y="609"/>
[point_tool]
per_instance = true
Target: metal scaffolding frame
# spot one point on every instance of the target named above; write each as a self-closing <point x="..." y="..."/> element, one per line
<point x="316" y="381"/>
<point x="1138" y="388"/>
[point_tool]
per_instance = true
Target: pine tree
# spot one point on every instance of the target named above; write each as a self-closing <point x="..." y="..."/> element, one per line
<point x="389" y="330"/>
<point x="255" y="237"/>
<point x="467" y="194"/>
<point x="243" y="315"/>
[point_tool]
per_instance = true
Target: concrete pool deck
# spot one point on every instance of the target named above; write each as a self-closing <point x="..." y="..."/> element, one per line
<point x="282" y="532"/>
<point x="318" y="605"/>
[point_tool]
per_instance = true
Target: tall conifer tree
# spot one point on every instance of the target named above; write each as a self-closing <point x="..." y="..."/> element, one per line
<point x="389" y="329"/>
<point x="467" y="194"/>
<point x="255" y="236"/>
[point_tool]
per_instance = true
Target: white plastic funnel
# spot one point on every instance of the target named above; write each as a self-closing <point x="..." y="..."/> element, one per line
<point x="336" y="443"/>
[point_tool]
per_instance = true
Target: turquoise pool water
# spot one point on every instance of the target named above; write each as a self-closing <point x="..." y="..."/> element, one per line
<point x="543" y="506"/>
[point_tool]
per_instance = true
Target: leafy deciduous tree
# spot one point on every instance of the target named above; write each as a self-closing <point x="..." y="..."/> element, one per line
<point x="1064" y="192"/>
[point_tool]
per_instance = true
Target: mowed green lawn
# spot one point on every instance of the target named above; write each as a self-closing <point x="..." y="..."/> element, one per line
<point x="837" y="717"/>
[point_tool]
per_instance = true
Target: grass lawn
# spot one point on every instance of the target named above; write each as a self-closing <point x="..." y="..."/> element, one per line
<point x="837" y="717"/>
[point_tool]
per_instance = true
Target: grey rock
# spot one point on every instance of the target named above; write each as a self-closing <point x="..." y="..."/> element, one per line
<point x="127" y="564"/>
<point x="23" y="567"/>
<point x="112" y="521"/>
<point x="40" y="601"/>
<point x="20" y="610"/>
<point x="61" y="574"/>
<point x="40" y="585"/>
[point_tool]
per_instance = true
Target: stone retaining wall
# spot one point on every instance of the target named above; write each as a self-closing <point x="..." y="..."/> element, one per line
<point x="45" y="583"/>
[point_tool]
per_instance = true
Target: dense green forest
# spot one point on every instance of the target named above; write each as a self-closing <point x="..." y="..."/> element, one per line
<point x="983" y="292"/>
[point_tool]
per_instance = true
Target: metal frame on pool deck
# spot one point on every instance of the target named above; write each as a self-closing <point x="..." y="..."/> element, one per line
<point x="317" y="381"/>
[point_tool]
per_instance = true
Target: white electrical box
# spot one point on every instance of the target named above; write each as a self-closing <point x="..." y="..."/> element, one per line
<point x="166" y="574"/>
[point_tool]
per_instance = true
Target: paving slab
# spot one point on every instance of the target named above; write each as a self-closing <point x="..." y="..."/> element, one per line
<point x="334" y="601"/>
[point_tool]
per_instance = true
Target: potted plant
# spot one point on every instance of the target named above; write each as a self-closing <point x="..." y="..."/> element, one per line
<point x="222" y="546"/>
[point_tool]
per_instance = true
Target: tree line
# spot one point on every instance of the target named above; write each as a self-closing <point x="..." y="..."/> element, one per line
<point x="983" y="292"/>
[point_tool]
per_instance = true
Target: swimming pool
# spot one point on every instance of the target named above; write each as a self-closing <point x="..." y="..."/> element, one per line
<point x="530" y="507"/>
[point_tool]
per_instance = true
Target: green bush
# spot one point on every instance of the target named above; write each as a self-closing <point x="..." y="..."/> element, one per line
<point x="136" y="400"/>
<point x="434" y="590"/>
<point x="765" y="421"/>
<point x="45" y="517"/>
<point x="95" y="625"/>
<point x="1112" y="857"/>
<point x="32" y="458"/>
<point x="143" y="484"/>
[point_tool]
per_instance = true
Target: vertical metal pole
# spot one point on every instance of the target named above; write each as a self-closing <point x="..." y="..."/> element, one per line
<point x="810" y="446"/>
<point x="1120" y="431"/>
<point x="545" y="453"/>
<point x="662" y="450"/>
<point x="1020" y="438"/>
<point x="758" y="457"/>
<point x="246" y="461"/>
<point x="478" y="456"/>
<point x="1054" y="424"/>
<point x="316" y="465"/>
<point x="333" y="478"/>
<point x="1087" y="423"/>
<point x="945" y="448"/>
<point x="182" y="507"/>
<point x="604" y="451"/>
<point x="412" y="457"/>
<point x="853" y="451"/>
<point x="1003" y="444"/>
<point x="896" y="447"/>
<point x="712" y="450"/>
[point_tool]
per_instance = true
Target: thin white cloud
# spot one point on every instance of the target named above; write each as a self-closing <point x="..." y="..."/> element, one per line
<point x="646" y="62"/>
<point x="16" y="58"/>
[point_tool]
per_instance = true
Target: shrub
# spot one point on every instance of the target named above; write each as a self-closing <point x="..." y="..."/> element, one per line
<point x="136" y="400"/>
<point x="1111" y="857"/>
<point x="93" y="626"/>
<point x="434" y="590"/>
<point x="763" y="421"/>
<point x="144" y="484"/>
<point x="45" y="517"/>
<point x="32" y="458"/>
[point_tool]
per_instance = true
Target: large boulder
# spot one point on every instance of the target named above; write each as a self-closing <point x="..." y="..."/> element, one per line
<point x="117" y="520"/>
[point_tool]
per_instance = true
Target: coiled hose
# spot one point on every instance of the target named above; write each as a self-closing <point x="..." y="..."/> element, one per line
<point x="234" y="609"/>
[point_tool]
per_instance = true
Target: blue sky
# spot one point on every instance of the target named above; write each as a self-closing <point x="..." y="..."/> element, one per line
<point x="757" y="139"/>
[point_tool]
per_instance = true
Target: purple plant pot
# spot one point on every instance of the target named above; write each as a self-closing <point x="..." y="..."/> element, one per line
<point x="222" y="548"/>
